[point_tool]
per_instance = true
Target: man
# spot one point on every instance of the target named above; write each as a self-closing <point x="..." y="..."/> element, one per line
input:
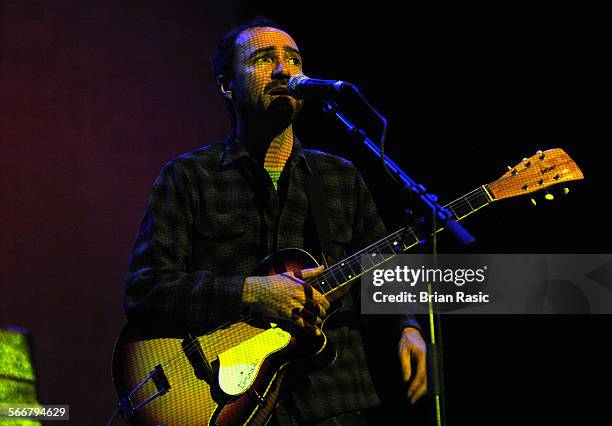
<point x="216" y="212"/>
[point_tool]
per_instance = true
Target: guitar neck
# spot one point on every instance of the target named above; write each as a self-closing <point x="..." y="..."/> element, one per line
<point x="399" y="241"/>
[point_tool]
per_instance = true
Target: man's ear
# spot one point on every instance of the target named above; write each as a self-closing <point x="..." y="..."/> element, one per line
<point x="223" y="87"/>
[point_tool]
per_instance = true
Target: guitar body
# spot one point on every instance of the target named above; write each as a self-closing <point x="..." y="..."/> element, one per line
<point x="230" y="376"/>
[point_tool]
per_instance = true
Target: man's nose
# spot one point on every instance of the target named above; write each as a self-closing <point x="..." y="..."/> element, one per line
<point x="281" y="71"/>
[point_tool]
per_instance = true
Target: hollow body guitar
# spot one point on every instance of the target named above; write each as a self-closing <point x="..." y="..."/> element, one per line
<point x="235" y="374"/>
<point x="230" y="376"/>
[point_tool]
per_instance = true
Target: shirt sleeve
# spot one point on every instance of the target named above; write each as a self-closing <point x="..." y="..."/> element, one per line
<point x="161" y="288"/>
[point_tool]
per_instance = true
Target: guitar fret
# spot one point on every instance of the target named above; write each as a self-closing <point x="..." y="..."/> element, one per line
<point x="476" y="200"/>
<point x="339" y="276"/>
<point x="322" y="283"/>
<point x="467" y="200"/>
<point x="349" y="269"/>
<point x="411" y="232"/>
<point x="355" y="266"/>
<point x="370" y="262"/>
<point x="460" y="209"/>
<point x="377" y="258"/>
<point x="329" y="280"/>
<point x="482" y="199"/>
<point x="341" y="267"/>
<point x="469" y="203"/>
<point x="393" y="244"/>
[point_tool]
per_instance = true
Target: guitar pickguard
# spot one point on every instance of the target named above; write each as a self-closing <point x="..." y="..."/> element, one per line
<point x="239" y="365"/>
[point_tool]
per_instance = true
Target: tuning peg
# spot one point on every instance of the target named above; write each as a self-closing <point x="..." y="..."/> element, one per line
<point x="534" y="202"/>
<point x="549" y="196"/>
<point x="565" y="191"/>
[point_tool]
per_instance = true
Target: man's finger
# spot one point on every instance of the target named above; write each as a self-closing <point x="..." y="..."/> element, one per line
<point x="313" y="306"/>
<point x="312" y="328"/>
<point x="311" y="272"/>
<point x="320" y="300"/>
<point x="418" y="393"/>
<point x="418" y="387"/>
<point x="406" y="365"/>
<point x="298" y="320"/>
<point x="417" y="382"/>
<point x="308" y="290"/>
<point x="310" y="316"/>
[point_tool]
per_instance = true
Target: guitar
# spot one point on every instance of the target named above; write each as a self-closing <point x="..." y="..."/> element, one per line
<point x="235" y="373"/>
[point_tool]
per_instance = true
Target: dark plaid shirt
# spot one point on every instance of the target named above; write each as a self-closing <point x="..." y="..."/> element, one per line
<point x="214" y="213"/>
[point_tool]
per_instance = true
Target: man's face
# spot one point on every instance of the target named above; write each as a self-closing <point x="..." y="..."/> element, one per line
<point x="265" y="59"/>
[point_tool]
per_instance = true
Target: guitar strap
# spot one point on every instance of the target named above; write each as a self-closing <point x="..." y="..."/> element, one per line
<point x="319" y="212"/>
<point x="320" y="215"/>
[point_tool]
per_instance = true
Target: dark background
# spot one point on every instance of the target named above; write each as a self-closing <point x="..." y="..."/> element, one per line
<point x="97" y="96"/>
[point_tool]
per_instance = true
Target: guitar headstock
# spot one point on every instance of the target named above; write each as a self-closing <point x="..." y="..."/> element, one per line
<point x="540" y="171"/>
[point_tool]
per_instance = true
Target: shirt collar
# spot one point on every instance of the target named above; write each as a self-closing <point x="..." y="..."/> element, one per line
<point x="233" y="151"/>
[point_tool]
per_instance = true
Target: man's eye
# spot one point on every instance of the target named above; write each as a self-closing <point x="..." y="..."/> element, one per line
<point x="264" y="59"/>
<point x="295" y="61"/>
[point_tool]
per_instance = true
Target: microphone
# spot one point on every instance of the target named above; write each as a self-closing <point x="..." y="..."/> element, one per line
<point x="300" y="87"/>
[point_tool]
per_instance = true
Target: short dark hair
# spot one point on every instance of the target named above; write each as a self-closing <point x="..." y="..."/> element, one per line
<point x="223" y="56"/>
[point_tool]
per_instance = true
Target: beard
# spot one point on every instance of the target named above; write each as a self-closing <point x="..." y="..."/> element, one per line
<point x="276" y="116"/>
<point x="283" y="110"/>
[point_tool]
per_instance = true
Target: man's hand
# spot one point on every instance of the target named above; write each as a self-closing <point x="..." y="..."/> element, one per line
<point x="412" y="353"/>
<point x="287" y="296"/>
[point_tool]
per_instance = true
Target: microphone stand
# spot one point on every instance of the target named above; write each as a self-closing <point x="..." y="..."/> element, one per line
<point x="439" y="215"/>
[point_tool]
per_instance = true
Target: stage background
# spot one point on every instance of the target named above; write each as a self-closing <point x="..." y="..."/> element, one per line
<point x="97" y="96"/>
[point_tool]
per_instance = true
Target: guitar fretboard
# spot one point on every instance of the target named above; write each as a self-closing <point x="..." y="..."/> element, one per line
<point x="385" y="249"/>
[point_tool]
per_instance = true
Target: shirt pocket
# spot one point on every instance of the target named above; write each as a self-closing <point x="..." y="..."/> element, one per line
<point x="223" y="227"/>
<point x="341" y="233"/>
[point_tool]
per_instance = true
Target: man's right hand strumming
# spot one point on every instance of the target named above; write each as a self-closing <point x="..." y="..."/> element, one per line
<point x="287" y="296"/>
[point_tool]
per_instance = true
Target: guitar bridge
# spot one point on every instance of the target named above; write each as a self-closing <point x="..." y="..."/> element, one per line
<point x="126" y="405"/>
<point x="194" y="353"/>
